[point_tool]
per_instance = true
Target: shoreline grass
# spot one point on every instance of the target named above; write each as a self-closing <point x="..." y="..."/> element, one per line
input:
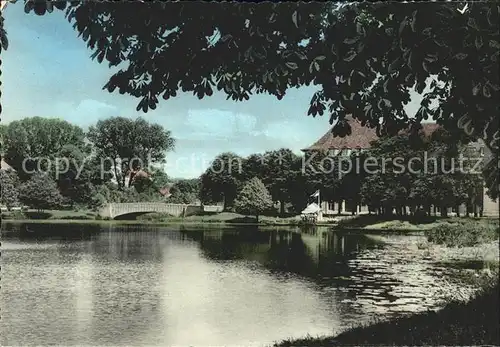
<point x="364" y="223"/>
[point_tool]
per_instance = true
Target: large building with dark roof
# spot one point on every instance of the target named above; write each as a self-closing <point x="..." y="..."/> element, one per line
<point x="360" y="139"/>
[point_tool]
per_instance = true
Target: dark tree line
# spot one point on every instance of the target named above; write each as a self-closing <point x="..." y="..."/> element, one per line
<point x="408" y="172"/>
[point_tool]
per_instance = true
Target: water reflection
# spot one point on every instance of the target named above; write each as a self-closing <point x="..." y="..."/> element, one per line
<point x="137" y="285"/>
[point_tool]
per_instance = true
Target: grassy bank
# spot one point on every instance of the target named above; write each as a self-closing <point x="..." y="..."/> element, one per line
<point x="459" y="323"/>
<point x="380" y="223"/>
<point x="464" y="232"/>
<point x="57" y="216"/>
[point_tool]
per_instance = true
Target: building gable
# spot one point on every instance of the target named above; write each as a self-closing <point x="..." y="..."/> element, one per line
<point x="360" y="138"/>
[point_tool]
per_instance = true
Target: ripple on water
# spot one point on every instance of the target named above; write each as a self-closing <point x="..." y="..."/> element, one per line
<point x="396" y="280"/>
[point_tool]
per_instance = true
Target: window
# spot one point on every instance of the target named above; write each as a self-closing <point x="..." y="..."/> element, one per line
<point x="331" y="206"/>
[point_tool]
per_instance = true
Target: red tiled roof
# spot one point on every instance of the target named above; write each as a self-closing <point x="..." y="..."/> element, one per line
<point x="165" y="191"/>
<point x="360" y="138"/>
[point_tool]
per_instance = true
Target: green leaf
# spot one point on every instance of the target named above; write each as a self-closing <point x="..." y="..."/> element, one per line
<point x="486" y="91"/>
<point x="460" y="56"/>
<point x="402" y="25"/>
<point x="479" y="42"/>
<point x="414" y="21"/>
<point x="476" y="89"/>
<point x="393" y="66"/>
<point x="472" y="23"/>
<point x="301" y="56"/>
<point x="291" y="65"/>
<point x="386" y="83"/>
<point x="321" y="57"/>
<point x="427" y="31"/>
<point x="494" y="44"/>
<point x="350" y="57"/>
<point x="410" y="60"/>
<point x="350" y="41"/>
<point x="424" y="66"/>
<point x="295" y="18"/>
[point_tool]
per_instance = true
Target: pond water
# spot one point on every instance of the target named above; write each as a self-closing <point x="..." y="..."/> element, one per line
<point x="201" y="286"/>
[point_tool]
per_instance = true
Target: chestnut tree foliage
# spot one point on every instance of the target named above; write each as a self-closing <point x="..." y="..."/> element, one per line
<point x="365" y="57"/>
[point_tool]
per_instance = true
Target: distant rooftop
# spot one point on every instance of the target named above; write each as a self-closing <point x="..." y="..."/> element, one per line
<point x="360" y="138"/>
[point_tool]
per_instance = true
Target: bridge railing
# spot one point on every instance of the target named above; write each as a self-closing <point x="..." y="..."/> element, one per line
<point x="115" y="209"/>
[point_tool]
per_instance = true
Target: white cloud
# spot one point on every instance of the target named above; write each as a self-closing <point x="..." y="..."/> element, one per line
<point x="210" y="123"/>
<point x="86" y="112"/>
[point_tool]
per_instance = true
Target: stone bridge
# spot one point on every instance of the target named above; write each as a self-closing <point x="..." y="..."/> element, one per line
<point x="114" y="210"/>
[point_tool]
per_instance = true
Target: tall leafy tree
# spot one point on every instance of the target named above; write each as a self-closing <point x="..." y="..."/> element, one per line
<point x="253" y="199"/>
<point x="127" y="144"/>
<point x="279" y="175"/>
<point x="222" y="179"/>
<point x="9" y="183"/>
<point x="37" y="141"/>
<point x="77" y="171"/>
<point x="185" y="191"/>
<point x="254" y="166"/>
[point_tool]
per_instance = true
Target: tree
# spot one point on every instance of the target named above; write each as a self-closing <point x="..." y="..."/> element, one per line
<point x="9" y="192"/>
<point x="222" y="179"/>
<point x="420" y="171"/>
<point x="321" y="172"/>
<point x="36" y="141"/>
<point x="185" y="191"/>
<point x="279" y="174"/>
<point x="298" y="187"/>
<point x="240" y="47"/>
<point x="160" y="178"/>
<point x="129" y="144"/>
<point x="40" y="192"/>
<point x="254" y="166"/>
<point x="377" y="52"/>
<point x="253" y="199"/>
<point x="76" y="172"/>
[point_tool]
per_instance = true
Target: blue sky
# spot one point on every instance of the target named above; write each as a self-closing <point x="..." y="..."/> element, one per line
<point x="47" y="72"/>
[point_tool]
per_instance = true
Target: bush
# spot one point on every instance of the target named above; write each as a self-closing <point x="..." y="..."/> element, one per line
<point x="155" y="217"/>
<point x="76" y="217"/>
<point x="464" y="233"/>
<point x="38" y="215"/>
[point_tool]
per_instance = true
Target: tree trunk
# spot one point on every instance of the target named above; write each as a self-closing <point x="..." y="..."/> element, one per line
<point x="116" y="175"/>
<point x="282" y="208"/>
<point x="444" y="211"/>
<point x="257" y="218"/>
<point x="339" y="207"/>
<point x="458" y="210"/>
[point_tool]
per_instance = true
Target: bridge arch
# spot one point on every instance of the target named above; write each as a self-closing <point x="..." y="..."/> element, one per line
<point x="114" y="210"/>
